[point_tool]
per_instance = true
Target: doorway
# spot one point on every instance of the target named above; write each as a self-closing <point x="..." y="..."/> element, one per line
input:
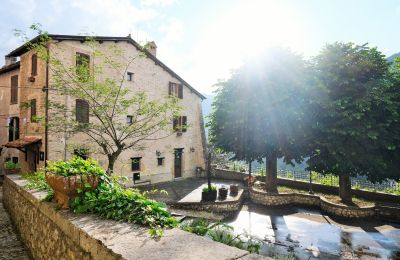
<point x="178" y="162"/>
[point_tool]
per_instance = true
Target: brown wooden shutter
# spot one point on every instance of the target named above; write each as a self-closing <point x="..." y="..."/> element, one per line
<point x="34" y="65"/>
<point x="82" y="111"/>
<point x="175" y="123"/>
<point x="33" y="110"/>
<point x="170" y="89"/>
<point x="180" y="91"/>
<point x="14" y="89"/>
<point x="184" y="123"/>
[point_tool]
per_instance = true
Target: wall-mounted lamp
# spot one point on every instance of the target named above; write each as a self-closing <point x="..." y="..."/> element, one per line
<point x="192" y="149"/>
<point x="158" y="153"/>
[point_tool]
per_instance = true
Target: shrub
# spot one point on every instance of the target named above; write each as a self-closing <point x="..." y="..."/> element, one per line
<point x="213" y="188"/>
<point x="10" y="165"/>
<point x="75" y="166"/>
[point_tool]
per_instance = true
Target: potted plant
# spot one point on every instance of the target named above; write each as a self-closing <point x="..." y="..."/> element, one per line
<point x="11" y="168"/>
<point x="67" y="179"/>
<point x="223" y="192"/>
<point x="234" y="189"/>
<point x="209" y="193"/>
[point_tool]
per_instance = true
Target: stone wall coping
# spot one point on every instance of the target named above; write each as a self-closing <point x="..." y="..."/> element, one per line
<point x="121" y="240"/>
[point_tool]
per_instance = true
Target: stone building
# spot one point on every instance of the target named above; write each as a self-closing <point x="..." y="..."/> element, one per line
<point x="23" y="81"/>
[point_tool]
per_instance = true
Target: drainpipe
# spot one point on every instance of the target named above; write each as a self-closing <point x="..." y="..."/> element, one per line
<point x="46" y="128"/>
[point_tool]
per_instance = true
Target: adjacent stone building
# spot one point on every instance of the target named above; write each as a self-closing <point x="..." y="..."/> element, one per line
<point x="23" y="81"/>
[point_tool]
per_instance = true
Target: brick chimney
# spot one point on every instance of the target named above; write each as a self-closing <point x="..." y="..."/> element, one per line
<point x="10" y="60"/>
<point x="152" y="48"/>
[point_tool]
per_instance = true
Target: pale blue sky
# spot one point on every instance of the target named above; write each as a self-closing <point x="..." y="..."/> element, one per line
<point x="204" y="40"/>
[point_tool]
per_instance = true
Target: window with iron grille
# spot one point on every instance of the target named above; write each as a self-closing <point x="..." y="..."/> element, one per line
<point x="136" y="164"/>
<point x="34" y="65"/>
<point x="13" y="129"/>
<point x="33" y="110"/>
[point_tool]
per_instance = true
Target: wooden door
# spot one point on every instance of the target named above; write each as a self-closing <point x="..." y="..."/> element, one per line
<point x="178" y="162"/>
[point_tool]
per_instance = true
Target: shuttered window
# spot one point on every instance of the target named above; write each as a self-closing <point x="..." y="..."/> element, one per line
<point x="14" y="89"/>
<point x="180" y="124"/>
<point x="33" y="110"/>
<point x="82" y="111"/>
<point x="175" y="90"/>
<point x="34" y="65"/>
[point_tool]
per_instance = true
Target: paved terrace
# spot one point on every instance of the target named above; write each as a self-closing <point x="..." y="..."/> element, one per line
<point x="10" y="245"/>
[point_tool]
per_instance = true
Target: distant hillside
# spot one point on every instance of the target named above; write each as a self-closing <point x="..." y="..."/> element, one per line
<point x="393" y="57"/>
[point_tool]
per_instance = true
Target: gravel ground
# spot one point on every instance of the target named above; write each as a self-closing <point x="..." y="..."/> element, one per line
<point x="10" y="246"/>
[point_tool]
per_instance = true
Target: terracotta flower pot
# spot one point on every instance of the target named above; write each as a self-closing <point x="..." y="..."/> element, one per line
<point x="65" y="188"/>
<point x="234" y="188"/>
<point x="12" y="171"/>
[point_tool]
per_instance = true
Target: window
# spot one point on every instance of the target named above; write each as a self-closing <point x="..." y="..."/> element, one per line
<point x="180" y="124"/>
<point x="34" y="65"/>
<point x="129" y="120"/>
<point x="82" y="65"/>
<point x="14" y="89"/>
<point x="33" y="110"/>
<point x="160" y="161"/>
<point x="129" y="76"/>
<point x="136" y="164"/>
<point x="13" y="129"/>
<point x="82" y="111"/>
<point x="175" y="90"/>
<point x="15" y="159"/>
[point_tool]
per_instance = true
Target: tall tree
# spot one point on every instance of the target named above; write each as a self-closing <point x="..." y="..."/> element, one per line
<point x="258" y="113"/>
<point x="97" y="82"/>
<point x="355" y="114"/>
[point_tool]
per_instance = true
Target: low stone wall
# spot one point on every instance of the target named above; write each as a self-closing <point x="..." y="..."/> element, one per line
<point x="269" y="199"/>
<point x="211" y="206"/>
<point x="368" y="195"/>
<point x="59" y="234"/>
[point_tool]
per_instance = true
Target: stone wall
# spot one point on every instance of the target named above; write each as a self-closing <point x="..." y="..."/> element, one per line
<point x="59" y="234"/>
<point x="227" y="174"/>
<point x="267" y="199"/>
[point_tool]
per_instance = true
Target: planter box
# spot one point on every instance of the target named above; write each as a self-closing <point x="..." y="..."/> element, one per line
<point x="209" y="196"/>
<point x="65" y="188"/>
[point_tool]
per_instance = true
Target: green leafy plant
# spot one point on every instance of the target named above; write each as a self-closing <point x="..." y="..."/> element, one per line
<point x="37" y="181"/>
<point x="110" y="200"/>
<point x="213" y="188"/>
<point x="10" y="165"/>
<point x="75" y="166"/>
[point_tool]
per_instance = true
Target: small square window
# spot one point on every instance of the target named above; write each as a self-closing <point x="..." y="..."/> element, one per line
<point x="129" y="76"/>
<point x="136" y="164"/>
<point x="15" y="159"/>
<point x="129" y="119"/>
<point x="160" y="161"/>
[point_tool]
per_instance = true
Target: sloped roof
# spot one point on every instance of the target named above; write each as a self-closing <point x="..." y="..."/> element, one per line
<point x="22" y="142"/>
<point x="10" y="67"/>
<point x="23" y="48"/>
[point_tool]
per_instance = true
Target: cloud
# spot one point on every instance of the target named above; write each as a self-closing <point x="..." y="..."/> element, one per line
<point x="158" y="3"/>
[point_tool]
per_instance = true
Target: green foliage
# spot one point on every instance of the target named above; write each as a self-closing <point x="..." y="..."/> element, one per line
<point x="10" y="165"/>
<point x="110" y="200"/>
<point x="356" y="119"/>
<point x="37" y="181"/>
<point x="221" y="232"/>
<point x="75" y="166"/>
<point x="213" y="188"/>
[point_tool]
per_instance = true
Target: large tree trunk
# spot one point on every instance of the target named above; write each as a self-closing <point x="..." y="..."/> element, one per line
<point x="271" y="174"/>
<point x="345" y="188"/>
<point x="112" y="158"/>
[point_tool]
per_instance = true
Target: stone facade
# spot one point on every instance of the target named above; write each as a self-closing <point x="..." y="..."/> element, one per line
<point x="59" y="234"/>
<point x="150" y="76"/>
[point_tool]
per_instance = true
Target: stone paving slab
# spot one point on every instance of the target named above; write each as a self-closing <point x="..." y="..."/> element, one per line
<point x="10" y="245"/>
